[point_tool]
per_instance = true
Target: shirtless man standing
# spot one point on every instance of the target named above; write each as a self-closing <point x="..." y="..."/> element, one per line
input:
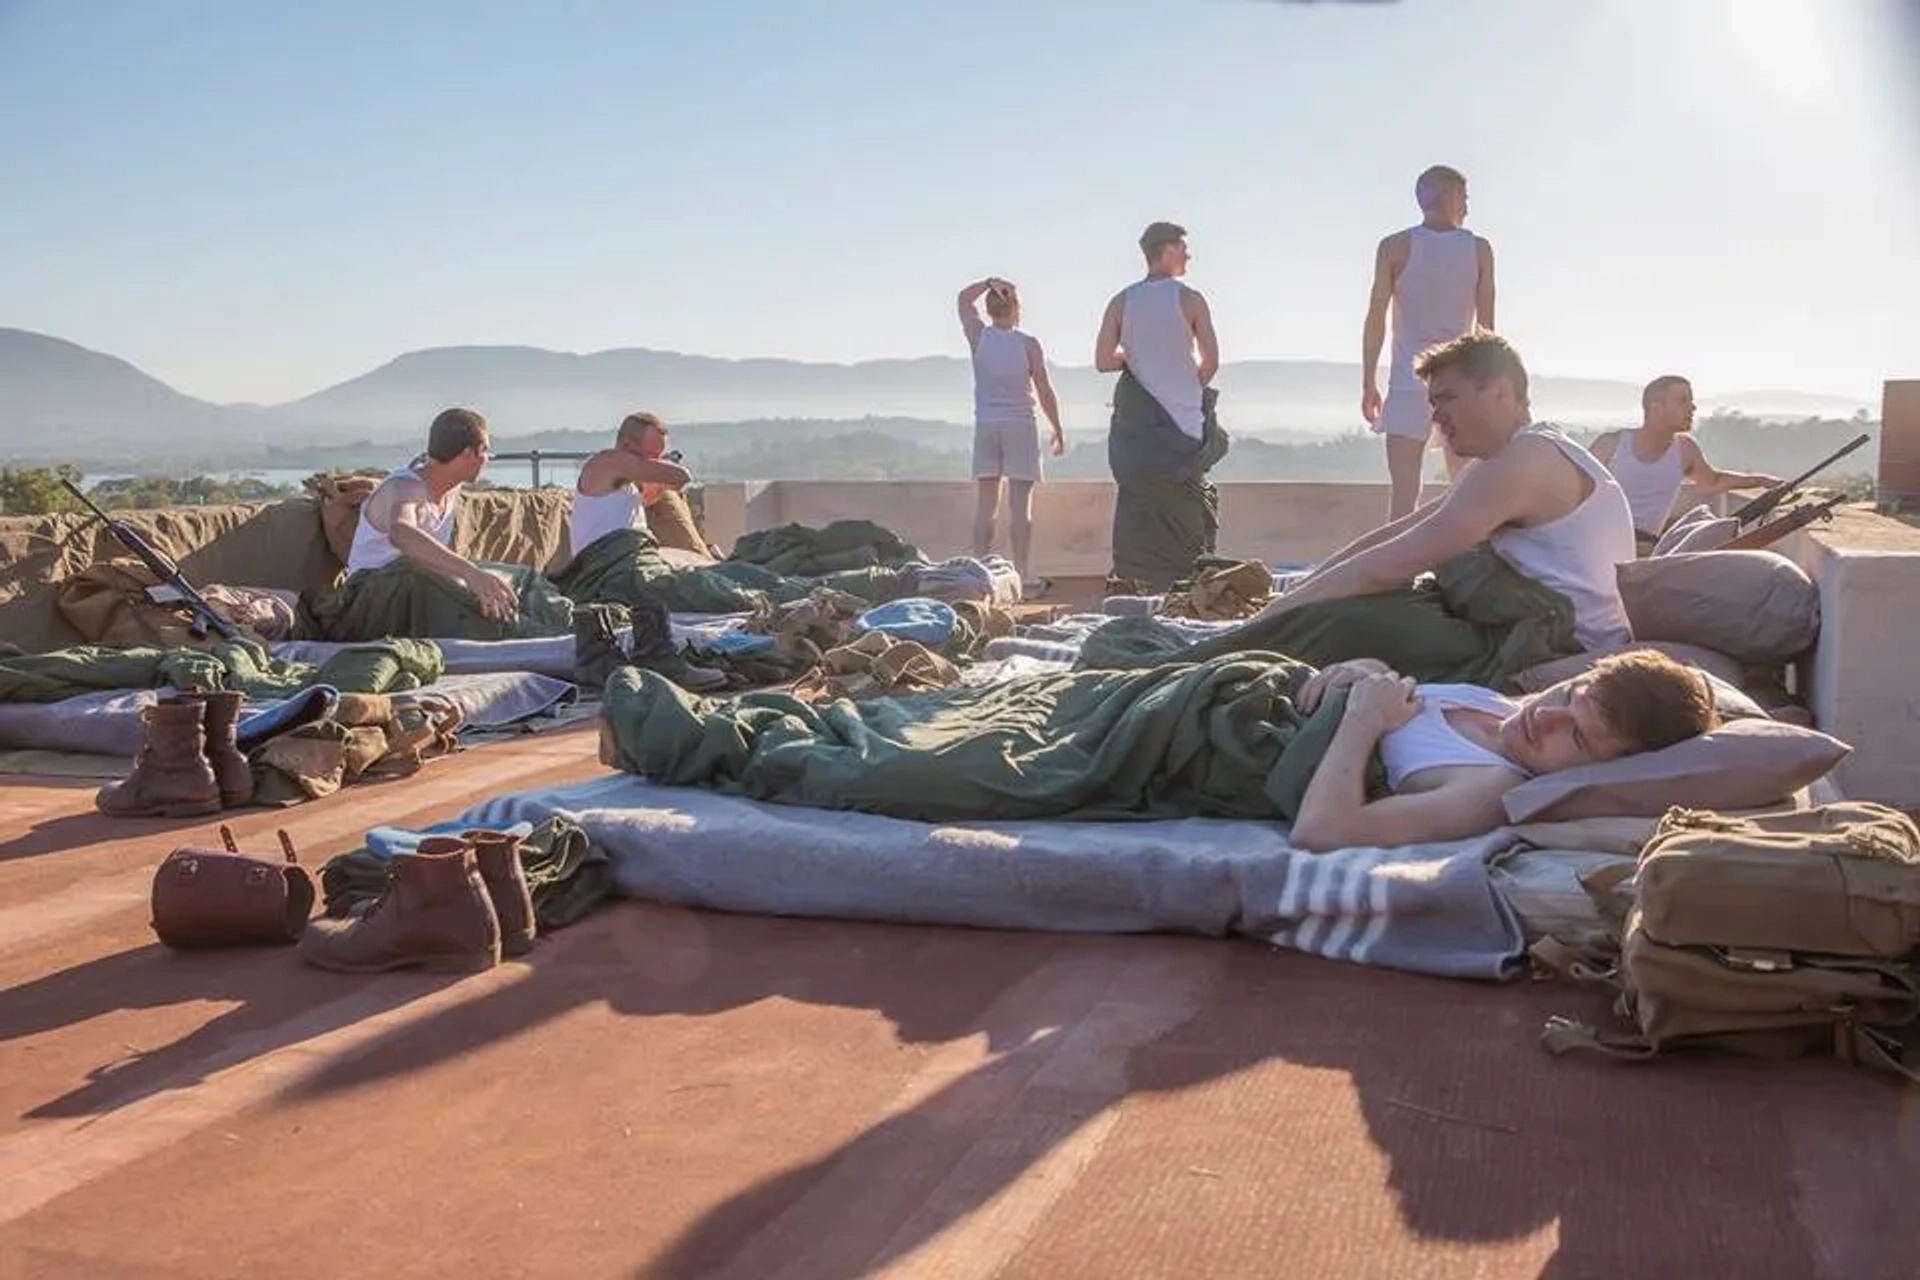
<point x="1544" y="504"/>
<point x="1653" y="462"/>
<point x="1438" y="278"/>
<point x="411" y="514"/>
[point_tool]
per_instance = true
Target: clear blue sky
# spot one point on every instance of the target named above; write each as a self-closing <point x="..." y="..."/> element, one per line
<point x="252" y="200"/>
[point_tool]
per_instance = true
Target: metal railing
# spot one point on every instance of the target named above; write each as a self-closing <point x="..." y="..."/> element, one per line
<point x="534" y="457"/>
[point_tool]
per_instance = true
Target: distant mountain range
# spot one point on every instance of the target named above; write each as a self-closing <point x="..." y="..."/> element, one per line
<point x="61" y="400"/>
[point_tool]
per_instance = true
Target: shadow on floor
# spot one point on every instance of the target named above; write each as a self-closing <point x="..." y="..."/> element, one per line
<point x="278" y="1002"/>
<point x="1685" y="1168"/>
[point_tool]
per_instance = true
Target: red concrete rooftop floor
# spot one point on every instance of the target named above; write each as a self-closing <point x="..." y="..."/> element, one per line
<point x="663" y="1092"/>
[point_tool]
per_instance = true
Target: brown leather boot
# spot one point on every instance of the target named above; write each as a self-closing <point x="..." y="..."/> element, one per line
<point x="435" y="914"/>
<point x="230" y="768"/>
<point x="499" y="856"/>
<point x="171" y="777"/>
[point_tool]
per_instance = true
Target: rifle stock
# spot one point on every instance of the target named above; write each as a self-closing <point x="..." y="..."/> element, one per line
<point x="1762" y="507"/>
<point x="205" y="617"/>
<point x="1774" y="530"/>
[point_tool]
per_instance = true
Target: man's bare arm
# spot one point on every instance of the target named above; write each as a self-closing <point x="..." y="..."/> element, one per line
<point x="1373" y="333"/>
<point x="1107" y="357"/>
<point x="1335" y="813"/>
<point x="968" y="304"/>
<point x="1604" y="445"/>
<point x="1043" y="385"/>
<point x="1200" y="319"/>
<point x="1483" y="294"/>
<point x="1393" y="529"/>
<point x="1491" y="493"/>
<point x="1710" y="477"/>
<point x="636" y="470"/>
<point x="421" y="547"/>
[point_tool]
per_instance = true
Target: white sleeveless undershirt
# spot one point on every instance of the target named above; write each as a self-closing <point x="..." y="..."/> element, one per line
<point x="372" y="549"/>
<point x="1428" y="741"/>
<point x="1434" y="299"/>
<point x="1650" y="487"/>
<point x="594" y="516"/>
<point x="1578" y="554"/>
<point x="1002" y="380"/>
<point x="1158" y="343"/>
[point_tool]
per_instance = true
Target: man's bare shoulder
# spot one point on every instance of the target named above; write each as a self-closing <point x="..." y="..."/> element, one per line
<point x="397" y="489"/>
<point x="1393" y="246"/>
<point x="1524" y="462"/>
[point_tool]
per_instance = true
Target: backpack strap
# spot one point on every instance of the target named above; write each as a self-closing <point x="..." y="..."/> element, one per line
<point x="1868" y="1047"/>
<point x="1563" y="1035"/>
<point x="1601" y="884"/>
<point x="1552" y="956"/>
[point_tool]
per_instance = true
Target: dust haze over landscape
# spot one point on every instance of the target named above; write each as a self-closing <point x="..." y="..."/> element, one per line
<point x="739" y="419"/>
<point x="1711" y="189"/>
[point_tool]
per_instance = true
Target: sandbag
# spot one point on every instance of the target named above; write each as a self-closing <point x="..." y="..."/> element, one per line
<point x="340" y="495"/>
<point x="1757" y="607"/>
<point x="107" y="604"/>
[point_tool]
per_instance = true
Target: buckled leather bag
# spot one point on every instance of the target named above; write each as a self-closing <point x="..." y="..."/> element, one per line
<point x="226" y="897"/>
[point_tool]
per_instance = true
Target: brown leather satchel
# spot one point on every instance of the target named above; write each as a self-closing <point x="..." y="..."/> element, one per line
<point x="225" y="898"/>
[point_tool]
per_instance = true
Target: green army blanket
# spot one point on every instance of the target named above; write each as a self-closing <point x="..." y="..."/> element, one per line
<point x="1219" y="738"/>
<point x="403" y="599"/>
<point x="1476" y="620"/>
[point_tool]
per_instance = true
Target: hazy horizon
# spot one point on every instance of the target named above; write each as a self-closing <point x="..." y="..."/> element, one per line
<point x="251" y="203"/>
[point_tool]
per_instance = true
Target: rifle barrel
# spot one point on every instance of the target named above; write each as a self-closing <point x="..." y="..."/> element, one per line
<point x="1766" y="502"/>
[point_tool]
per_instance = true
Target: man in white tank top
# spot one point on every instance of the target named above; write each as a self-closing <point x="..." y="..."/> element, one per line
<point x="1009" y="373"/>
<point x="612" y="489"/>
<point x="1452" y="752"/>
<point x="1438" y="279"/>
<point x="1652" y="463"/>
<point x="1161" y="331"/>
<point x="410" y="515"/>
<point x="1545" y="505"/>
<point x="1158" y="335"/>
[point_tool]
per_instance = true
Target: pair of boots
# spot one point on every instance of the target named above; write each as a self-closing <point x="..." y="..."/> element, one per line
<point x="454" y="905"/>
<point x="189" y="763"/>
<point x="597" y="652"/>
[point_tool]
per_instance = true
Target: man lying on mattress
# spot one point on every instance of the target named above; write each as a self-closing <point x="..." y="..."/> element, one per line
<point x="1451" y="752"/>
<point x="1352" y="754"/>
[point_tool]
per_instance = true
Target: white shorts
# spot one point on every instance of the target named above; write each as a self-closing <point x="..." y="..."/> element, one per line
<point x="1406" y="414"/>
<point x="1012" y="451"/>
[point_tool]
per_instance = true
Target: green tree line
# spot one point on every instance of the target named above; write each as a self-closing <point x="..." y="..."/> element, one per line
<point x="39" y="491"/>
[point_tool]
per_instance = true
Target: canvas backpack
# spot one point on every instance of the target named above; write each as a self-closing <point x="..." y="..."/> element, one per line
<point x="1777" y="934"/>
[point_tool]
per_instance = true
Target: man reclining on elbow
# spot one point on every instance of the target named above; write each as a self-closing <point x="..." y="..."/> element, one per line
<point x="1451" y="752"/>
<point x="1544" y="504"/>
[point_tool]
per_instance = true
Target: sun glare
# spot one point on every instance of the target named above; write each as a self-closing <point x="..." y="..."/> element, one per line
<point x="1796" y="48"/>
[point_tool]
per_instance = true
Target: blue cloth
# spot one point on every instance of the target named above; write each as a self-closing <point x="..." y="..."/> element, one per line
<point x="310" y="704"/>
<point x="737" y="642"/>
<point x="384" y="842"/>
<point x="931" y="622"/>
